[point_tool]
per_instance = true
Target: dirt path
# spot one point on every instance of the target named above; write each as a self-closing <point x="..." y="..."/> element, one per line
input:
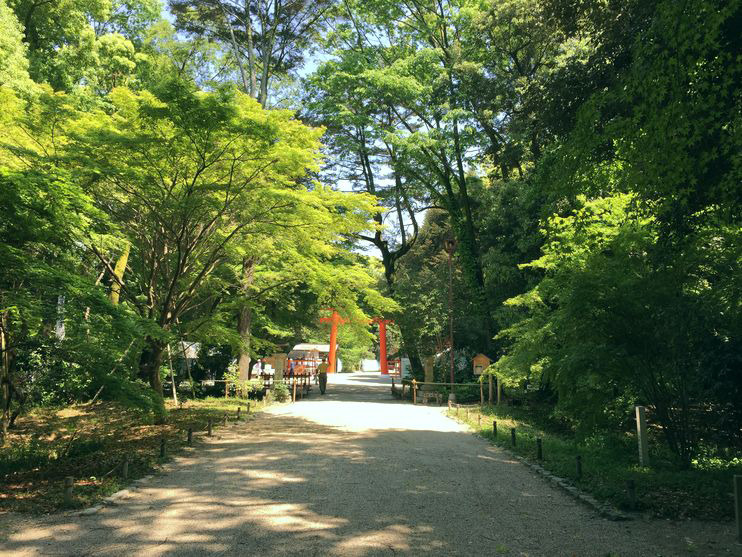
<point x="352" y="473"/>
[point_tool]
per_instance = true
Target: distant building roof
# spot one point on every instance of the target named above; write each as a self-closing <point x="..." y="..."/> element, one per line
<point x="305" y="347"/>
<point x="305" y="350"/>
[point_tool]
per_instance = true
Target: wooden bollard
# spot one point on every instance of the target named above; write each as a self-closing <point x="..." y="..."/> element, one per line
<point x="294" y="395"/>
<point x="641" y="435"/>
<point x="458" y="407"/>
<point x="226" y="418"/>
<point x="190" y="437"/>
<point x="68" y="485"/>
<point x="578" y="467"/>
<point x="512" y="436"/>
<point x="125" y="468"/>
<point x="414" y="391"/>
<point x="248" y="409"/>
<point x="539" y="449"/>
<point x="162" y="448"/>
<point x="631" y="491"/>
<point x="494" y="428"/>
<point x="208" y="428"/>
<point x="738" y="505"/>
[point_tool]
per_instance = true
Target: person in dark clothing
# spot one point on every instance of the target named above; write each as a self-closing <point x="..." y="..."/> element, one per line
<point x="322" y="374"/>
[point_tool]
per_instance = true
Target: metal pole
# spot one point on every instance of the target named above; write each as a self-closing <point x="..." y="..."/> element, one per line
<point x="450" y="313"/>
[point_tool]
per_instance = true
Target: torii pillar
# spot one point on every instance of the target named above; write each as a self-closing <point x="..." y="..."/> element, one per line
<point x="334" y="320"/>
<point x="382" y="344"/>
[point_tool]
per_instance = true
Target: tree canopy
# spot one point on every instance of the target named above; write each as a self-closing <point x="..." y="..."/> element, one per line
<point x="583" y="157"/>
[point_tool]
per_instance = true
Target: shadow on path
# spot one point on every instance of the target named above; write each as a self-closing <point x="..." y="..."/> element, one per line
<point x="291" y="483"/>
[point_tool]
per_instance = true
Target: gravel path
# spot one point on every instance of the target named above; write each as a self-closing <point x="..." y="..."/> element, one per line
<point x="352" y="473"/>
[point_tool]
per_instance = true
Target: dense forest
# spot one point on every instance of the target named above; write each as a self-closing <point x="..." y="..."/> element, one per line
<point x="220" y="172"/>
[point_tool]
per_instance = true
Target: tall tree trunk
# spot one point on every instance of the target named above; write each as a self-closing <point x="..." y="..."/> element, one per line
<point x="150" y="363"/>
<point x="119" y="271"/>
<point x="410" y="348"/>
<point x="244" y="323"/>
<point x="244" y="319"/>
<point x="5" y="373"/>
<point x="172" y="374"/>
<point x="235" y="49"/>
<point x="250" y="49"/>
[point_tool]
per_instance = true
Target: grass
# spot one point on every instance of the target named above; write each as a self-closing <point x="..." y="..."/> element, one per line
<point x="704" y="491"/>
<point x="89" y="443"/>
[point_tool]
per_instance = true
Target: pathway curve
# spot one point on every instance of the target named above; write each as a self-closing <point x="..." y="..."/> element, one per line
<point x="353" y="473"/>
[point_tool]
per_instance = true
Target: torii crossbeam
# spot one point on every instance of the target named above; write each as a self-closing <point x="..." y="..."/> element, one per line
<point x="336" y="320"/>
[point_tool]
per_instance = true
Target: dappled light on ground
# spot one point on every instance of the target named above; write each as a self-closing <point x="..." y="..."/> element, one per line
<point x="354" y="473"/>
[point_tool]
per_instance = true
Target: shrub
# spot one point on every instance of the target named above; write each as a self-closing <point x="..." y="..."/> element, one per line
<point x="281" y="392"/>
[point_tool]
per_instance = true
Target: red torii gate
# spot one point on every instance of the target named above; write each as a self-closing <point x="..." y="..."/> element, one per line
<point x="336" y="320"/>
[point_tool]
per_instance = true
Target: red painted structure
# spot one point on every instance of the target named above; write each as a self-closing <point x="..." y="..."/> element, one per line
<point x="382" y="344"/>
<point x="336" y="320"/>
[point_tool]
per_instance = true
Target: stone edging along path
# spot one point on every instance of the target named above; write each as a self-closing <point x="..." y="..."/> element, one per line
<point x="605" y="510"/>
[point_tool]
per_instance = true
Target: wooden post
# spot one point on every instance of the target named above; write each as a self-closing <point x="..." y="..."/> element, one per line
<point x="738" y="505"/>
<point x="162" y="448"/>
<point x="293" y="399"/>
<point x="68" y="484"/>
<point x="490" y="389"/>
<point x="512" y="436"/>
<point x="125" y="468"/>
<point x="248" y="409"/>
<point x="190" y="436"/>
<point x="578" y="466"/>
<point x="481" y="393"/>
<point x="239" y="409"/>
<point x="225" y="418"/>
<point x="414" y="391"/>
<point x="539" y="449"/>
<point x="641" y="434"/>
<point x="494" y="428"/>
<point x="383" y="363"/>
<point x="226" y="389"/>
<point x="458" y="407"/>
<point x="208" y="428"/>
<point x="499" y="391"/>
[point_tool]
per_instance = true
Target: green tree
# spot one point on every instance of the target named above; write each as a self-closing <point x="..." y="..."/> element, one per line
<point x="186" y="174"/>
<point x="13" y="60"/>
<point x="273" y="35"/>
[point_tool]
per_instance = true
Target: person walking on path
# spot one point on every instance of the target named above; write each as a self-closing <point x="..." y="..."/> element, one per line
<point x="322" y="374"/>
